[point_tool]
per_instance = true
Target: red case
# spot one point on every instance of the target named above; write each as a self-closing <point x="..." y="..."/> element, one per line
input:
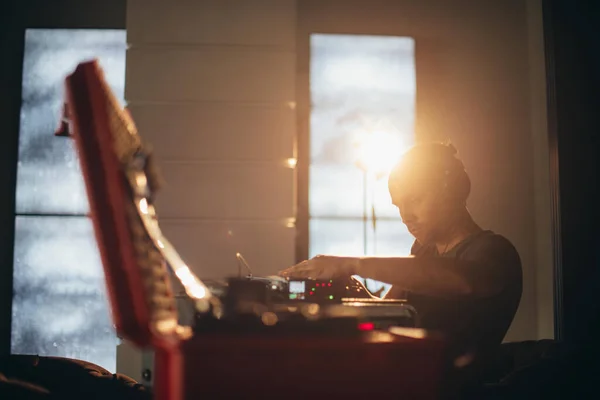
<point x="88" y="107"/>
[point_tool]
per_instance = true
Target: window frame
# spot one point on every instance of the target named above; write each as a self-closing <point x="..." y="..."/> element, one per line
<point x="21" y="15"/>
<point x="303" y="110"/>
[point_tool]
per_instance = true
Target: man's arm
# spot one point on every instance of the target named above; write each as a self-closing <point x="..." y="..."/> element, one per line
<point x="430" y="275"/>
<point x="484" y="272"/>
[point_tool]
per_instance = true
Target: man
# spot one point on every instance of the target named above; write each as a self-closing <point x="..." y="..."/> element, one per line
<point x="464" y="281"/>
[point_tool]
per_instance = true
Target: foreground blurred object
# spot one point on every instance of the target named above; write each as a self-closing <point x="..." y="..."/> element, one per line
<point x="260" y="335"/>
<point x="27" y="377"/>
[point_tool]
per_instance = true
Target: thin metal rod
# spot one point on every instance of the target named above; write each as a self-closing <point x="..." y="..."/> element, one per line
<point x="365" y="212"/>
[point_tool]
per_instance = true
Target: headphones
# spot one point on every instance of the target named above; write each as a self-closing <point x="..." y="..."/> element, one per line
<point x="441" y="166"/>
<point x="455" y="181"/>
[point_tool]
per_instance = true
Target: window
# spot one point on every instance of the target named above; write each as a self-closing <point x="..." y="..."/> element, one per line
<point x="60" y="307"/>
<point x="362" y="92"/>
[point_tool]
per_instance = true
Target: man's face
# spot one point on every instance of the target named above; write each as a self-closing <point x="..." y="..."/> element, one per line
<point x="423" y="212"/>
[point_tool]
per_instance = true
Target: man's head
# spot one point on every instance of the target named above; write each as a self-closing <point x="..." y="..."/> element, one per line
<point x="430" y="188"/>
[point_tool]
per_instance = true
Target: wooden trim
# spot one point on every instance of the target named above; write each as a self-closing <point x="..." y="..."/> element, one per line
<point x="554" y="168"/>
<point x="573" y="85"/>
<point x="311" y="19"/>
<point x="303" y="109"/>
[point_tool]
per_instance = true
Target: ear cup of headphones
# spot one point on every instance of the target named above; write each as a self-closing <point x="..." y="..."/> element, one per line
<point x="456" y="184"/>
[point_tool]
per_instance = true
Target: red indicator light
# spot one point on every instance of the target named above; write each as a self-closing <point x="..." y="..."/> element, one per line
<point x="366" y="326"/>
<point x="317" y="285"/>
<point x="311" y="293"/>
<point x="329" y="284"/>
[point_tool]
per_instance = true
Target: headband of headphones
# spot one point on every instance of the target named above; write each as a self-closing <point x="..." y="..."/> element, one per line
<point x="432" y="165"/>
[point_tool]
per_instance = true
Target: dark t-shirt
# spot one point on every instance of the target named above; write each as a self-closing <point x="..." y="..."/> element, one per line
<point x="473" y="323"/>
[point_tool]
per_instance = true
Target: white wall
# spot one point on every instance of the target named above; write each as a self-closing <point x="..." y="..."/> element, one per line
<point x="210" y="84"/>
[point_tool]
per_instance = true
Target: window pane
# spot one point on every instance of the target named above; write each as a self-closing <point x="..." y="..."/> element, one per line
<point x="345" y="237"/>
<point x="60" y="306"/>
<point x="390" y="238"/>
<point x="359" y="84"/>
<point x="48" y="175"/>
<point x="363" y="91"/>
<point x="336" y="191"/>
<point x="336" y="237"/>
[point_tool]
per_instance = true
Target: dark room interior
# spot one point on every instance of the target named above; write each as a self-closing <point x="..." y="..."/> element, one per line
<point x="284" y="140"/>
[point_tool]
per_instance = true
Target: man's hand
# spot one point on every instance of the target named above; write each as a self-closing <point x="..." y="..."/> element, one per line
<point x="323" y="267"/>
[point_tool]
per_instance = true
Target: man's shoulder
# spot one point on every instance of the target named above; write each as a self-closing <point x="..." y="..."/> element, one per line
<point x="489" y="240"/>
<point x="489" y="245"/>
